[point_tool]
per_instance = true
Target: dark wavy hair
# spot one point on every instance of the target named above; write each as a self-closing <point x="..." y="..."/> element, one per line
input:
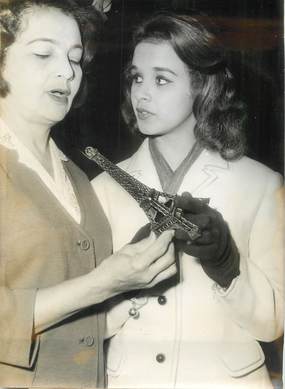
<point x="220" y="115"/>
<point x="88" y="19"/>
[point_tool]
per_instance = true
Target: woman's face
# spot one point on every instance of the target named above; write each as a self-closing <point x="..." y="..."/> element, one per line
<point x="161" y="92"/>
<point x="42" y="67"/>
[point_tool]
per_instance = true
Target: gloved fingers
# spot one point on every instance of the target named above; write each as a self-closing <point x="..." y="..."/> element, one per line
<point x="201" y="220"/>
<point x="212" y="224"/>
<point x="190" y="204"/>
<point x="206" y="237"/>
<point x="142" y="233"/>
<point x="181" y="235"/>
<point x="203" y="252"/>
<point x="202" y="223"/>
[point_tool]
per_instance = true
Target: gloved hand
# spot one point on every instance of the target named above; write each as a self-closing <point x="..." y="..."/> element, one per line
<point x="216" y="248"/>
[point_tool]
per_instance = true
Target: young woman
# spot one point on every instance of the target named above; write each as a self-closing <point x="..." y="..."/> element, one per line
<point x="53" y="234"/>
<point x="201" y="329"/>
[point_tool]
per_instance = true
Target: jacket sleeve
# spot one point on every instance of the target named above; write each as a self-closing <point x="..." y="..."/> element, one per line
<point x="18" y="345"/>
<point x="255" y="298"/>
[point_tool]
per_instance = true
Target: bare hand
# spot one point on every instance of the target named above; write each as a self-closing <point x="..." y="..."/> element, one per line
<point x="141" y="265"/>
<point x="135" y="266"/>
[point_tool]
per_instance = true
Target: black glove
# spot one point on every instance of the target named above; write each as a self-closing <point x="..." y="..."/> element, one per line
<point x="216" y="248"/>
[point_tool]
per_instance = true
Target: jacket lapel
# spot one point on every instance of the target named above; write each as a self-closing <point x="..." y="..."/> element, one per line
<point x="207" y="169"/>
<point x="30" y="183"/>
<point x="25" y="179"/>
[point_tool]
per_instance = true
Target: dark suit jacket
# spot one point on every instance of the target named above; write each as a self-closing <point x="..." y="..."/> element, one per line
<point x="41" y="245"/>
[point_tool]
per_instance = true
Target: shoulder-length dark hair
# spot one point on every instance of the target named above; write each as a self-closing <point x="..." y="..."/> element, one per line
<point x="88" y="19"/>
<point x="220" y="115"/>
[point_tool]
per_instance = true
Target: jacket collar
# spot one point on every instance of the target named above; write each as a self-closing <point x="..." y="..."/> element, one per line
<point x="29" y="182"/>
<point x="208" y="168"/>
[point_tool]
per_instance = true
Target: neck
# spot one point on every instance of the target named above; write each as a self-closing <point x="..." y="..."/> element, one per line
<point x="33" y="135"/>
<point x="175" y="145"/>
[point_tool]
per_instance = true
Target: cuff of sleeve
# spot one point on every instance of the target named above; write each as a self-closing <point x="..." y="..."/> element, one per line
<point x="19" y="345"/>
<point x="224" y="292"/>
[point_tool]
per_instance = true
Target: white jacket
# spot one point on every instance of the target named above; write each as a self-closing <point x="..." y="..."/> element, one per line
<point x="197" y="336"/>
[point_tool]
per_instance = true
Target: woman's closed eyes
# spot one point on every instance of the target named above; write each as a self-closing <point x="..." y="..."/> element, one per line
<point x="45" y="50"/>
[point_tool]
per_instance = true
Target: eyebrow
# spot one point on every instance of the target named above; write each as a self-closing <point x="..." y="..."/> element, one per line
<point x="163" y="69"/>
<point x="53" y="41"/>
<point x="156" y="68"/>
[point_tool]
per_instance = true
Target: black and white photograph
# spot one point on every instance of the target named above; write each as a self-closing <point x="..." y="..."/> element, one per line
<point x="141" y="194"/>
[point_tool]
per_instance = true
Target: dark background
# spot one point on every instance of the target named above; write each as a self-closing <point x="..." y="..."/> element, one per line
<point x="252" y="33"/>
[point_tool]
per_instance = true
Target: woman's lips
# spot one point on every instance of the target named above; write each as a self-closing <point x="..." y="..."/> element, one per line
<point x="59" y="95"/>
<point x="143" y="114"/>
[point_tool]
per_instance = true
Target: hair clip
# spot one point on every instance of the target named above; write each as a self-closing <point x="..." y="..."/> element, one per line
<point x="102" y="5"/>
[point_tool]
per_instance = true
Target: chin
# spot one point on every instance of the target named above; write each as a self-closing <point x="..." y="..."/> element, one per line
<point x="149" y="131"/>
<point x="55" y="117"/>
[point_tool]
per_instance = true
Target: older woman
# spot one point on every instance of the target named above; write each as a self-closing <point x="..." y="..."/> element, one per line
<point x="54" y="235"/>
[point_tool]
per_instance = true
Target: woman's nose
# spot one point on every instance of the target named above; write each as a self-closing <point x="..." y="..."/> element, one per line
<point x="65" y="69"/>
<point x="143" y="92"/>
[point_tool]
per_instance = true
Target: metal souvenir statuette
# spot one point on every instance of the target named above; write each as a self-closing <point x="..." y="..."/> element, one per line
<point x="159" y="206"/>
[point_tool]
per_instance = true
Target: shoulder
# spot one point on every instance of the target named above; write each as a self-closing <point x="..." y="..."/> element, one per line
<point x="251" y="169"/>
<point x="258" y="178"/>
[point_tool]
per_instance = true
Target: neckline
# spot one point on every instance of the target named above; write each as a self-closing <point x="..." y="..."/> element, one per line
<point x="171" y="180"/>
